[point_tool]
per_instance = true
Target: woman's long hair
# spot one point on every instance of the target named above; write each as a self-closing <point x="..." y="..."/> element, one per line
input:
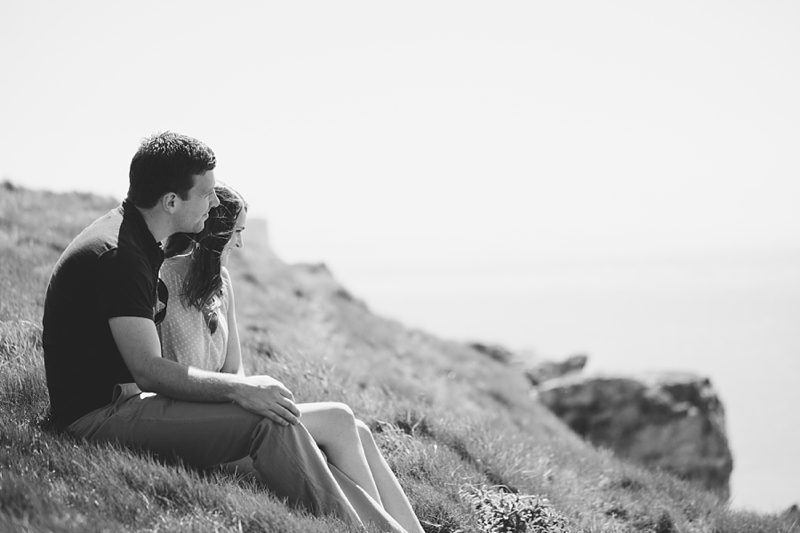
<point x="203" y="280"/>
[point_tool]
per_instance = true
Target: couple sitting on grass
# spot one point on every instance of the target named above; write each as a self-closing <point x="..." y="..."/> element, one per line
<point x="143" y="349"/>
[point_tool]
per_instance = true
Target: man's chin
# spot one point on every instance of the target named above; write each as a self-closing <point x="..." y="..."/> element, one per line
<point x="200" y="225"/>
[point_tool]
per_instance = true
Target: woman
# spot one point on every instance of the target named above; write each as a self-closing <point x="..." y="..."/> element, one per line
<point x="200" y="331"/>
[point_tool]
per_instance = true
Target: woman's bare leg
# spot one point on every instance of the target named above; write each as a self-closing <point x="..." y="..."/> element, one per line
<point x="349" y="445"/>
<point x="393" y="497"/>
<point x="333" y="427"/>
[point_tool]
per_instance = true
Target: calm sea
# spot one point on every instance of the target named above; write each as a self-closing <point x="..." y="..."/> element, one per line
<point x="732" y="317"/>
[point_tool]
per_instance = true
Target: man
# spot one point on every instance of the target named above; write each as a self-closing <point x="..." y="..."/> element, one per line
<point x="102" y="349"/>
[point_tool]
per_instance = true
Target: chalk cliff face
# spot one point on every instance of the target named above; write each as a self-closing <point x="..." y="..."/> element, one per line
<point x="671" y="421"/>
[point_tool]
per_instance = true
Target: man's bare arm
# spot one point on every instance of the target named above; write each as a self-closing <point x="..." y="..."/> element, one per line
<point x="137" y="340"/>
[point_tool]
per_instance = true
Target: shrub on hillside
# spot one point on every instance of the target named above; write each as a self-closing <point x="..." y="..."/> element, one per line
<point x="501" y="511"/>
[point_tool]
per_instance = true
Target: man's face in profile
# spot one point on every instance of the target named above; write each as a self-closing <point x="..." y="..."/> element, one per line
<point x="193" y="211"/>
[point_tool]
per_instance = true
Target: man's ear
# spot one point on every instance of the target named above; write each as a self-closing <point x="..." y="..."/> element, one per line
<point x="169" y="202"/>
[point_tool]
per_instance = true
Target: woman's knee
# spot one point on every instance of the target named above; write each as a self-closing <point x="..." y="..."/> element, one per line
<point x="329" y="421"/>
<point x="364" y="433"/>
<point x="341" y="414"/>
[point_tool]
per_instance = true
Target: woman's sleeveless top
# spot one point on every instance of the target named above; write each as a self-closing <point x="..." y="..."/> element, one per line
<point x="185" y="335"/>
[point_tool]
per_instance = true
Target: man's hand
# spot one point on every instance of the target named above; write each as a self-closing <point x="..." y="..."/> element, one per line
<point x="268" y="397"/>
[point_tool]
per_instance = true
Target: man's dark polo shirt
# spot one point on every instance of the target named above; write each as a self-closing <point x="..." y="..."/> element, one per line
<point x="109" y="270"/>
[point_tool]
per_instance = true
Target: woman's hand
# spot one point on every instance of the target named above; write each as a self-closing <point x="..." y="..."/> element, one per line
<point x="268" y="397"/>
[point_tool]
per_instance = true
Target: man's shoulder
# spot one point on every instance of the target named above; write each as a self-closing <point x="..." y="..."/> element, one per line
<point x="96" y="239"/>
<point x="116" y="232"/>
<point x="109" y="244"/>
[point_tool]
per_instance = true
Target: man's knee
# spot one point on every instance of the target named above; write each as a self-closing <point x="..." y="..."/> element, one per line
<point x="291" y="439"/>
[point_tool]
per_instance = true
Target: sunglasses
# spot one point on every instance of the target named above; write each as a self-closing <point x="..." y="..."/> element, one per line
<point x="161" y="305"/>
<point x="212" y="321"/>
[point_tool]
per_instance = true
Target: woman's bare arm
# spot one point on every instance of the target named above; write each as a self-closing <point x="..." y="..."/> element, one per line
<point x="233" y="355"/>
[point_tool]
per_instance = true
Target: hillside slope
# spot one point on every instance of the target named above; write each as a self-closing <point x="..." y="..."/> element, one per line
<point x="452" y="422"/>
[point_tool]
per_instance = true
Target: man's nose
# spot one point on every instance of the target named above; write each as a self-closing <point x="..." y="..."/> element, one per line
<point x="214" y="200"/>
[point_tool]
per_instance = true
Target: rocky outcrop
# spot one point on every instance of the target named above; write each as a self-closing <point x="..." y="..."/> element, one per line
<point x="671" y="421"/>
<point x="494" y="351"/>
<point x="547" y="370"/>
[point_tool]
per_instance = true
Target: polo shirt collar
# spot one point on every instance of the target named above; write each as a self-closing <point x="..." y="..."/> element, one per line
<point x="152" y="246"/>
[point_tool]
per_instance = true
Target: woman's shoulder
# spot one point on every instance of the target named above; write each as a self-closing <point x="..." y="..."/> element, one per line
<point x="170" y="274"/>
<point x="226" y="276"/>
<point x="177" y="265"/>
<point x="227" y="284"/>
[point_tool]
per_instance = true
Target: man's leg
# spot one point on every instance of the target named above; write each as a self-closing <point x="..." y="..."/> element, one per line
<point x="369" y="511"/>
<point x="287" y="460"/>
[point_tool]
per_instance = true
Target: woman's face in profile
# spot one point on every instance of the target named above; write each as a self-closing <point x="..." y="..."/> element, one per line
<point x="236" y="239"/>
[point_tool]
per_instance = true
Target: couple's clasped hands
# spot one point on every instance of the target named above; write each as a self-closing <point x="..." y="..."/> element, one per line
<point x="269" y="397"/>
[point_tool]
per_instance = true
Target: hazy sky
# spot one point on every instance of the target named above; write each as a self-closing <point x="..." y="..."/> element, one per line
<point x="434" y="131"/>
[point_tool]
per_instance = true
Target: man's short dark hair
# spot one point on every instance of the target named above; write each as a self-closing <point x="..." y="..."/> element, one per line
<point x="167" y="162"/>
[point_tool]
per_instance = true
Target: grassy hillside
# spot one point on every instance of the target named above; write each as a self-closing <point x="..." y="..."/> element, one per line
<point x="454" y="424"/>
